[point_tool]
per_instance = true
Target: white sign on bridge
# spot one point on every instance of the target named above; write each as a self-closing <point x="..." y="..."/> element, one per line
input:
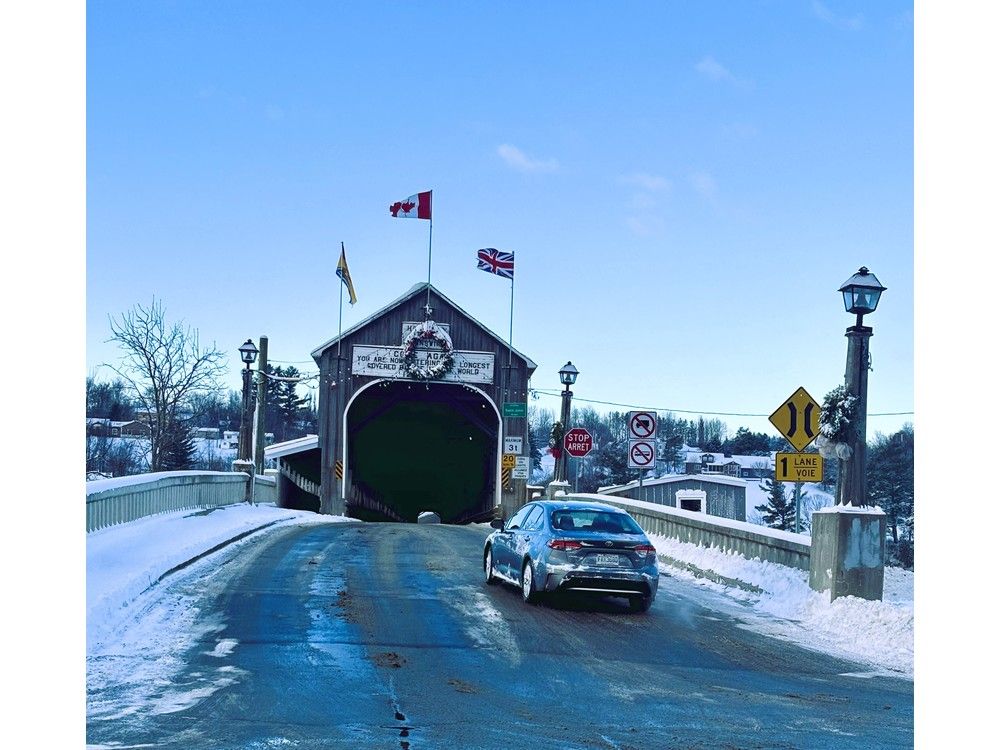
<point x="387" y="362"/>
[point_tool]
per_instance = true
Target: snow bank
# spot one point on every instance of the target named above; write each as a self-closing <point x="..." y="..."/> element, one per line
<point x="125" y="560"/>
<point x="875" y="633"/>
<point x="100" y="485"/>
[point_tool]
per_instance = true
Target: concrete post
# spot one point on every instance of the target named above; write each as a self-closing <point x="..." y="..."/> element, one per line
<point x="847" y="557"/>
<point x="554" y="487"/>
<point x="246" y="467"/>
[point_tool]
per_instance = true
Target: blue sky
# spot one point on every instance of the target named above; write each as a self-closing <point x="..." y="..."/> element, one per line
<point x="684" y="185"/>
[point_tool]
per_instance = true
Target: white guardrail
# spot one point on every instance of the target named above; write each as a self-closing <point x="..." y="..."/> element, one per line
<point x="114" y="501"/>
<point x="746" y="539"/>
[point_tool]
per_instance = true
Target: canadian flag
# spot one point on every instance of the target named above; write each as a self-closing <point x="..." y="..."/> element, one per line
<point x="415" y="207"/>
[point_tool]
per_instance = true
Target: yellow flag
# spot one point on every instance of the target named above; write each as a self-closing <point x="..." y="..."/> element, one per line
<point x="345" y="274"/>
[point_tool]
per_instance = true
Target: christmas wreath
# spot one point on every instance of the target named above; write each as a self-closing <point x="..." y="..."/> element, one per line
<point x="837" y="424"/>
<point x="556" y="440"/>
<point x="428" y="331"/>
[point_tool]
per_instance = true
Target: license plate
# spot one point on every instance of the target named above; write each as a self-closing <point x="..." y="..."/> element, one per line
<point x="612" y="560"/>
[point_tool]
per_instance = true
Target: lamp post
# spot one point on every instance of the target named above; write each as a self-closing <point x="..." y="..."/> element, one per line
<point x="861" y="295"/>
<point x="567" y="376"/>
<point x="248" y="353"/>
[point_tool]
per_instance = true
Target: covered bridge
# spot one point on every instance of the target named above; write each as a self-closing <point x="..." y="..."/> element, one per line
<point x="411" y="415"/>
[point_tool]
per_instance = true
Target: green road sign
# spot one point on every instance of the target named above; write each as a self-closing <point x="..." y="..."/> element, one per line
<point x="515" y="409"/>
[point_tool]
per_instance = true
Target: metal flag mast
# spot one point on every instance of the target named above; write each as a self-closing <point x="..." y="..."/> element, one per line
<point x="510" y="337"/>
<point x="430" y="235"/>
<point x="340" y="326"/>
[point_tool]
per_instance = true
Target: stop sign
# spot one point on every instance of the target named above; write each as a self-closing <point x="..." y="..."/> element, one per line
<point x="578" y="442"/>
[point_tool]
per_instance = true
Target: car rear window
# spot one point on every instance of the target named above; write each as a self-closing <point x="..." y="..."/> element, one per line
<point x="598" y="521"/>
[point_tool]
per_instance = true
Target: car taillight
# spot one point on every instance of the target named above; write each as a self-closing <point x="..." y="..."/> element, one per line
<point x="564" y="544"/>
<point x="645" y="549"/>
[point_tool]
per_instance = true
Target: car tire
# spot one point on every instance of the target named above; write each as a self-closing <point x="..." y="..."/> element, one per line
<point x="491" y="579"/>
<point x="640" y="604"/>
<point x="528" y="592"/>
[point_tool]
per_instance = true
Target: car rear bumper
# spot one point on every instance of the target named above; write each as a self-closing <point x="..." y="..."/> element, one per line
<point x="602" y="581"/>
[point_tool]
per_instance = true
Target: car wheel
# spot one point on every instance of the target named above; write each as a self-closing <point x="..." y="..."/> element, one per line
<point x="528" y="592"/>
<point x="488" y="567"/>
<point x="640" y="603"/>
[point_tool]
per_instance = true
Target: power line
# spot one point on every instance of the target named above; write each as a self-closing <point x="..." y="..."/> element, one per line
<point x="689" y="411"/>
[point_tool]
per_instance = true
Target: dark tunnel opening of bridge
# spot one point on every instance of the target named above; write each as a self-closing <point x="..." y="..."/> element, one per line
<point x="414" y="447"/>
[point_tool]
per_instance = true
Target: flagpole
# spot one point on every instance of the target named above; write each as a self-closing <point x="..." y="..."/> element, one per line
<point x="430" y="234"/>
<point x="510" y="339"/>
<point x="340" y="326"/>
<point x="510" y="335"/>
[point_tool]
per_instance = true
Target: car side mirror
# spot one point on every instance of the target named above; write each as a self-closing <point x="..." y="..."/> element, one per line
<point x="497" y="523"/>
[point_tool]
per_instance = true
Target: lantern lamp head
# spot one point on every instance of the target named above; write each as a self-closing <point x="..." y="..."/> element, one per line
<point x="568" y="374"/>
<point x="861" y="292"/>
<point x="248" y="352"/>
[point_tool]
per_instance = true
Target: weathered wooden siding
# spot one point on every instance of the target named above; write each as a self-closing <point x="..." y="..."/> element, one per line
<point x="338" y="385"/>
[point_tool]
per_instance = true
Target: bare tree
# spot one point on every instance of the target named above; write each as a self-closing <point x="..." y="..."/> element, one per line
<point x="165" y="367"/>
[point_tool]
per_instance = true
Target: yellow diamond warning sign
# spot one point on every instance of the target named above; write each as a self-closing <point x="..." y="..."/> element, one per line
<point x="798" y="467"/>
<point x="798" y="419"/>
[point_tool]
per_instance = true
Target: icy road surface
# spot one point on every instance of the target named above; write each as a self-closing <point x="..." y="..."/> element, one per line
<point x="357" y="635"/>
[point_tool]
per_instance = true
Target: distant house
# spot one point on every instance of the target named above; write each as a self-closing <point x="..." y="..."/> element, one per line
<point x="741" y="467"/>
<point x="206" y="433"/>
<point x="135" y="428"/>
<point x="99" y="427"/>
<point x="230" y="439"/>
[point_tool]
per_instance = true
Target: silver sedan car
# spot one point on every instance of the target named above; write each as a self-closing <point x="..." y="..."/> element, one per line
<point x="550" y="546"/>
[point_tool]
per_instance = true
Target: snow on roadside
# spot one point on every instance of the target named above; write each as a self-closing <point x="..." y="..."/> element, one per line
<point x="126" y="559"/>
<point x="876" y="633"/>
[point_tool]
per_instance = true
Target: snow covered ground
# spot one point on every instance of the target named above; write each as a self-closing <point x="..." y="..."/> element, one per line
<point x="124" y="561"/>
<point x="876" y="633"/>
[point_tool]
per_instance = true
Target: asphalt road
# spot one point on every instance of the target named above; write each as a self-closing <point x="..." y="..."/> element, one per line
<point x="385" y="636"/>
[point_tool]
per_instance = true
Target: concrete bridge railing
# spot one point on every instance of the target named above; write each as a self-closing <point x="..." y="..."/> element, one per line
<point x="746" y="539"/>
<point x="114" y="501"/>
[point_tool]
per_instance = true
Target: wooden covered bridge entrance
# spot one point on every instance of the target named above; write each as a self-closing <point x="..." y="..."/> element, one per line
<point x="411" y="415"/>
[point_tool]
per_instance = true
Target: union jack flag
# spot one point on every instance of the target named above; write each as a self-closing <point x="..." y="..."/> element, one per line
<point x="492" y="260"/>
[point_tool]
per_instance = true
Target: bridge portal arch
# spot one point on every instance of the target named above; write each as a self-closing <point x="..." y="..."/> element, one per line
<point x="415" y="446"/>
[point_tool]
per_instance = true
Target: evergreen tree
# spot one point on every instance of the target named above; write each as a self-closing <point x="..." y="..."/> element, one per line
<point x="178" y="449"/>
<point x="779" y="511"/>
<point x="890" y="485"/>
<point x="669" y="437"/>
<point x="747" y="443"/>
<point x="289" y="406"/>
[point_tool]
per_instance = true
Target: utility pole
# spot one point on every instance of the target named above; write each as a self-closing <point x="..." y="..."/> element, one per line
<point x="258" y="453"/>
<point x="852" y="487"/>
<point x="798" y="499"/>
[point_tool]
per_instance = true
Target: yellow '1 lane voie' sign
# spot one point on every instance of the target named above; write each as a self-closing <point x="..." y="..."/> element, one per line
<point x="798" y="467"/>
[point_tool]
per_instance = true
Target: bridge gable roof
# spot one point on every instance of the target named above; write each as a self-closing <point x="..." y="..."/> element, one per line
<point x="416" y="289"/>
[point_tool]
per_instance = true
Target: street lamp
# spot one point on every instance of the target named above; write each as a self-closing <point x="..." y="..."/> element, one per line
<point x="248" y="353"/>
<point x="861" y="295"/>
<point x="567" y="376"/>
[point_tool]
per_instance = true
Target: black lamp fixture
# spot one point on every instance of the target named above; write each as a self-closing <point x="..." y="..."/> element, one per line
<point x="248" y="353"/>
<point x="568" y="374"/>
<point x="861" y="293"/>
